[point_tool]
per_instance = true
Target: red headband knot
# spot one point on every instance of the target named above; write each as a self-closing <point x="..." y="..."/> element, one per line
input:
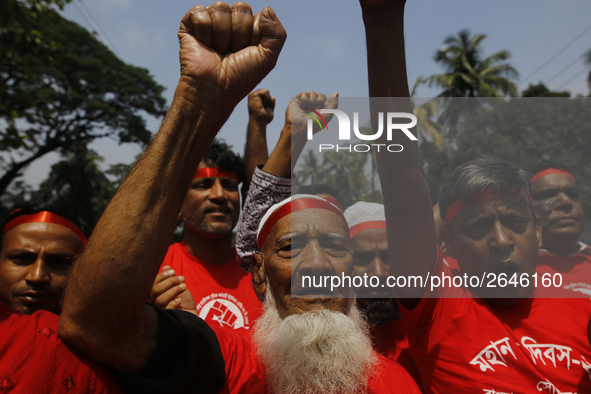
<point x="487" y="194"/>
<point x="293" y="206"/>
<point x="358" y="228"/>
<point x="45" y="217"/>
<point x="550" y="171"/>
<point x="209" y="172"/>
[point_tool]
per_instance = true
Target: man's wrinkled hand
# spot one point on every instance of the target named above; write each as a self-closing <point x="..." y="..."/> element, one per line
<point x="227" y="50"/>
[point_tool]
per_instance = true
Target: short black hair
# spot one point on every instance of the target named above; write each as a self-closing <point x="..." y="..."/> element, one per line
<point x="27" y="209"/>
<point x="318" y="188"/>
<point x="478" y="175"/>
<point x="222" y="155"/>
<point x="545" y="164"/>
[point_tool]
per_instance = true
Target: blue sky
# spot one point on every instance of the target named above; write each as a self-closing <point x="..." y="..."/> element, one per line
<point x="325" y="50"/>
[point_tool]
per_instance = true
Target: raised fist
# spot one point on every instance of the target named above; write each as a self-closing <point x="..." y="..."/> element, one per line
<point x="228" y="50"/>
<point x="305" y="103"/>
<point x="261" y="106"/>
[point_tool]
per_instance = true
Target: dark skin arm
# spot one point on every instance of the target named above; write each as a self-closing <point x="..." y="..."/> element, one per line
<point x="261" y="107"/>
<point x="225" y="52"/>
<point x="409" y="216"/>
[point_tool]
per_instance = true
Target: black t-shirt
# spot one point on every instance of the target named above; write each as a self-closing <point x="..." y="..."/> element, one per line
<point x="187" y="359"/>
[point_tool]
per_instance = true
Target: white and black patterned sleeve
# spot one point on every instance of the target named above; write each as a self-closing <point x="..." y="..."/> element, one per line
<point x="265" y="191"/>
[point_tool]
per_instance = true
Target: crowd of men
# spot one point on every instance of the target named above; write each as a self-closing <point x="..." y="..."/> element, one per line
<point x="127" y="311"/>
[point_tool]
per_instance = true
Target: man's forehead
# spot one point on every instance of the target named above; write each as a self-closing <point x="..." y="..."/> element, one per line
<point x="308" y="221"/>
<point x="369" y="238"/>
<point x="504" y="205"/>
<point x="41" y="235"/>
<point x="553" y="181"/>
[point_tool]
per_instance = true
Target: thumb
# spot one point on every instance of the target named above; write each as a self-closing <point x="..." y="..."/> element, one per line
<point x="273" y="35"/>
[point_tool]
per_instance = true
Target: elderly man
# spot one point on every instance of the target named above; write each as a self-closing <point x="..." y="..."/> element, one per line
<point x="39" y="246"/>
<point x="555" y="198"/>
<point x="114" y="276"/>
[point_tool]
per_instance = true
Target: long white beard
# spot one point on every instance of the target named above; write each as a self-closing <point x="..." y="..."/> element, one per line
<point x="324" y="352"/>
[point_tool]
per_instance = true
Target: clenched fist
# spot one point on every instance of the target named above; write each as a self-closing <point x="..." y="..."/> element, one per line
<point x="227" y="50"/>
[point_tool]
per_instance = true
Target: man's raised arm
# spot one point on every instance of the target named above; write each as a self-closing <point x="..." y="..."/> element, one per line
<point x="225" y="52"/>
<point x="411" y="231"/>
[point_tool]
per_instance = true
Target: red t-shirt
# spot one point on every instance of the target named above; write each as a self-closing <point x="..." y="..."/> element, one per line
<point x="246" y="374"/>
<point x="33" y="359"/>
<point x="223" y="292"/>
<point x="574" y="269"/>
<point x="390" y="340"/>
<point x="470" y="346"/>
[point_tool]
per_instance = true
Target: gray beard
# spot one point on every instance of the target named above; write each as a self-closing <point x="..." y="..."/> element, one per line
<point x="324" y="352"/>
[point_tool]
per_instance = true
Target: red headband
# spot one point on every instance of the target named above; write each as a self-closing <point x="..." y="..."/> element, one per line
<point x="334" y="201"/>
<point x="459" y="205"/>
<point x="358" y="228"/>
<point x="550" y="171"/>
<point x="45" y="217"/>
<point x="292" y="206"/>
<point x="209" y="172"/>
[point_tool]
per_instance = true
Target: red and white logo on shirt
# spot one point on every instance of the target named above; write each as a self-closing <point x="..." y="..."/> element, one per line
<point x="223" y="309"/>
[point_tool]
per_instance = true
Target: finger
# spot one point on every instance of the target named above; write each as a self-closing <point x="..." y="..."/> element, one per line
<point x="166" y="284"/>
<point x="273" y="35"/>
<point x="164" y="274"/>
<point x="174" y="304"/>
<point x="242" y="20"/>
<point x="221" y="17"/>
<point x="255" y="36"/>
<point x="267" y="100"/>
<point x="197" y="22"/>
<point x="312" y="101"/>
<point x="165" y="298"/>
<point x="273" y="99"/>
<point x="333" y="101"/>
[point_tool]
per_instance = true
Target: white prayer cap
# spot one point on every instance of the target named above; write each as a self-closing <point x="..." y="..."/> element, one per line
<point x="363" y="216"/>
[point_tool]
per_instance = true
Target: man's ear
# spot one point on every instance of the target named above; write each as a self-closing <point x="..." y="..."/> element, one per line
<point x="449" y="244"/>
<point x="259" y="279"/>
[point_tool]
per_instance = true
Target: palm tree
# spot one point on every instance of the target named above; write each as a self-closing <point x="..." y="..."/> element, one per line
<point x="467" y="74"/>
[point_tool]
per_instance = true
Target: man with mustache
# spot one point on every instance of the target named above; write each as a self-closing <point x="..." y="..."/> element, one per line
<point x="555" y="198"/>
<point x="371" y="257"/>
<point x="205" y="261"/>
<point x="39" y="246"/>
<point x="469" y="338"/>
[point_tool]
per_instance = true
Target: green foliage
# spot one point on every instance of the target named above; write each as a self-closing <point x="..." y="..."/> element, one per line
<point x="345" y="172"/>
<point x="467" y="74"/>
<point x="78" y="185"/>
<point x="522" y="131"/>
<point x="540" y="90"/>
<point x="60" y="88"/>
